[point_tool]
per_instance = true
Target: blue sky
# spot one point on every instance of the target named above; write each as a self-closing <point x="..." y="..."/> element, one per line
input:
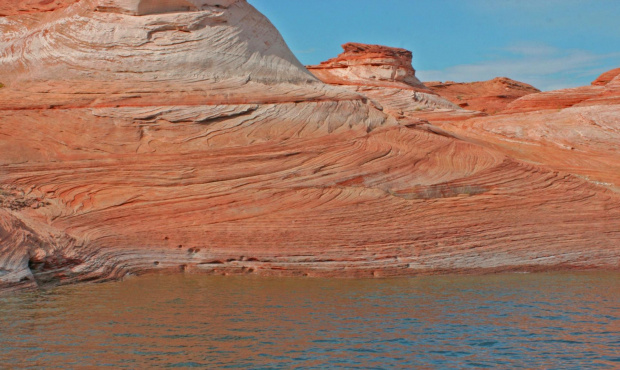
<point x="550" y="44"/>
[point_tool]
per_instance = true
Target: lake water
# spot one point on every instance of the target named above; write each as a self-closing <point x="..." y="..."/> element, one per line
<point x="557" y="320"/>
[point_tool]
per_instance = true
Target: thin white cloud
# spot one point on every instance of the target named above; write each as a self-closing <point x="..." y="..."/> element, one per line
<point x="543" y="66"/>
<point x="531" y="49"/>
<point x="594" y="17"/>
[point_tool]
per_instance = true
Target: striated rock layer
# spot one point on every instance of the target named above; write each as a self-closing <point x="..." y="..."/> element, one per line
<point x="140" y="136"/>
<point x="581" y="139"/>
<point x="364" y="64"/>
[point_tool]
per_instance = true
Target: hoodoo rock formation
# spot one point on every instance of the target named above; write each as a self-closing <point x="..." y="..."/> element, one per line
<point x="363" y="63"/>
<point x="183" y="135"/>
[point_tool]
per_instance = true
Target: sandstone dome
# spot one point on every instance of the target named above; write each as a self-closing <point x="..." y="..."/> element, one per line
<point x="136" y="41"/>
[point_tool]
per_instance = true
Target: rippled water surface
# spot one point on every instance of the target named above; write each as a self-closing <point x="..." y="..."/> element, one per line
<point x="519" y="320"/>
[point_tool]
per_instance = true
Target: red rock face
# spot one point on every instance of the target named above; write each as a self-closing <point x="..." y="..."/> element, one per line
<point x="13" y="7"/>
<point x="485" y="96"/>
<point x="578" y="140"/>
<point x="606" y="77"/>
<point x="126" y="150"/>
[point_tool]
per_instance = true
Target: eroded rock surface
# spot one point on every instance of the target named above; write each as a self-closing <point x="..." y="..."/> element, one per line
<point x="192" y="140"/>
<point x="13" y="7"/>
<point x="581" y="139"/>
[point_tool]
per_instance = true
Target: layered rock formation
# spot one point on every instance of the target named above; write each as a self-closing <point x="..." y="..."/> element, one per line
<point x="364" y="64"/>
<point x="140" y="136"/>
<point x="386" y="75"/>
<point x="605" y="90"/>
<point x="581" y="139"/>
<point x="485" y="96"/>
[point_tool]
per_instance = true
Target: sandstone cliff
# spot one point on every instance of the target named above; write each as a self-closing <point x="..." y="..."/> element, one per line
<point x="140" y="136"/>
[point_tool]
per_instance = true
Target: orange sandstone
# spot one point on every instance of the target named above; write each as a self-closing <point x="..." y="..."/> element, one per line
<point x="364" y="64"/>
<point x="485" y="96"/>
<point x="606" y="77"/>
<point x="13" y="7"/>
<point x="581" y="139"/>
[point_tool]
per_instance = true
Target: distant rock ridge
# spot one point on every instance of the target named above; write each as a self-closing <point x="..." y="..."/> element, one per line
<point x="490" y="96"/>
<point x="605" y="90"/>
<point x="370" y="65"/>
<point x="576" y="130"/>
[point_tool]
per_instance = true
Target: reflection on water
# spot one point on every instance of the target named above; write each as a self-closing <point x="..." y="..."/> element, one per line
<point x="529" y="320"/>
